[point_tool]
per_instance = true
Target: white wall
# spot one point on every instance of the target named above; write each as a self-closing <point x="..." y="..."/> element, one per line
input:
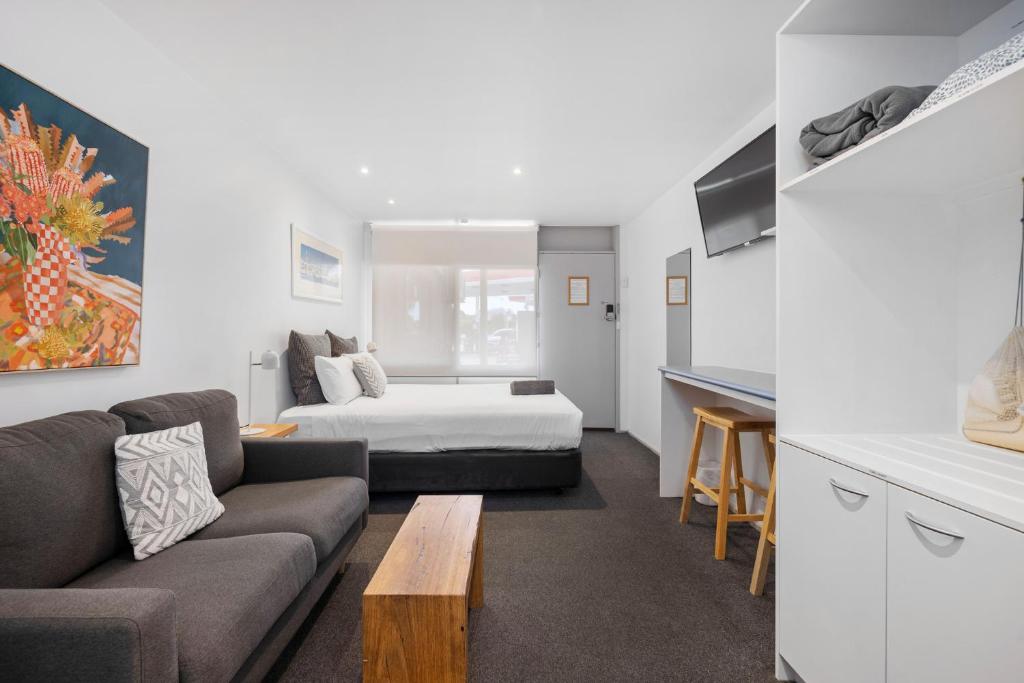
<point x="217" y="260"/>
<point x="732" y="296"/>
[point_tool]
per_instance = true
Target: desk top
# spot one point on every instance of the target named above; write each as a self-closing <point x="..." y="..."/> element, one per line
<point x="759" y="384"/>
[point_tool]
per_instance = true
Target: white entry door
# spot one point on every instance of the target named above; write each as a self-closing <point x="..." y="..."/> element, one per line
<point x="577" y="340"/>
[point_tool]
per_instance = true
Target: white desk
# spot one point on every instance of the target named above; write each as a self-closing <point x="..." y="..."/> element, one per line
<point x="682" y="389"/>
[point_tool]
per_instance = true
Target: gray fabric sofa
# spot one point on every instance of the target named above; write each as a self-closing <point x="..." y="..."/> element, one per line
<point x="218" y="606"/>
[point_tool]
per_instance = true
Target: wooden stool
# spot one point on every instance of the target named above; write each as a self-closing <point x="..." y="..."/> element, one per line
<point x="732" y="422"/>
<point x="764" y="550"/>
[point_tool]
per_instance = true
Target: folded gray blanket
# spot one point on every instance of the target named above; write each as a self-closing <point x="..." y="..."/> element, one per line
<point x="526" y="387"/>
<point x="825" y="137"/>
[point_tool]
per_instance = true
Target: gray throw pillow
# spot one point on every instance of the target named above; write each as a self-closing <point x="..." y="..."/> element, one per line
<point x="370" y="374"/>
<point x="163" y="487"/>
<point x="302" y="349"/>
<point x="341" y="346"/>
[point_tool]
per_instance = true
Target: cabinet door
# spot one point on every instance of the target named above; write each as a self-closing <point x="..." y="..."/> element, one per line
<point x="955" y="592"/>
<point x="830" y="570"/>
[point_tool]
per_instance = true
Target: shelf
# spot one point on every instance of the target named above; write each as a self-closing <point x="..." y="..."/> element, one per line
<point x="890" y="18"/>
<point x="960" y="143"/>
<point x="982" y="480"/>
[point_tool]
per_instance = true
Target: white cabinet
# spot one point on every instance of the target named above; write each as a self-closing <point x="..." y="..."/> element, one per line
<point x="955" y="592"/>
<point x="878" y="582"/>
<point x="831" y="569"/>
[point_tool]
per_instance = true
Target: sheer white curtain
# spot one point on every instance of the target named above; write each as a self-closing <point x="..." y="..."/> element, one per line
<point x="455" y="300"/>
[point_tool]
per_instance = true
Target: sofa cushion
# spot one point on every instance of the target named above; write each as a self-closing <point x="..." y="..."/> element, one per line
<point x="215" y="409"/>
<point x="227" y="593"/>
<point x="163" y="487"/>
<point x="58" y="506"/>
<point x="323" y="509"/>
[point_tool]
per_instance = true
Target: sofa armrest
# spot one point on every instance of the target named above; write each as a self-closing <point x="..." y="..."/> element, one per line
<point x="82" y="634"/>
<point x="268" y="460"/>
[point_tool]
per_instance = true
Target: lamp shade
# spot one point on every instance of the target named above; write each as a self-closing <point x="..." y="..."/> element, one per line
<point x="270" y="360"/>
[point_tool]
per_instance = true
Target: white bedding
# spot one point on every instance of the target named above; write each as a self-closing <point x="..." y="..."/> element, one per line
<point x="441" y="417"/>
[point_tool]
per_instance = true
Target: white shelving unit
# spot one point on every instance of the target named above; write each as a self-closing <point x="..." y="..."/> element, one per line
<point x="897" y="266"/>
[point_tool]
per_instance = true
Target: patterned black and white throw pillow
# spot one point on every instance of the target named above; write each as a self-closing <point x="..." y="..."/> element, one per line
<point x="970" y="75"/>
<point x="164" y="487"/>
<point x="369" y="373"/>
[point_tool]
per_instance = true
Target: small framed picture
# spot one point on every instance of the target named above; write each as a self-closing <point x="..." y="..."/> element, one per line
<point x="579" y="290"/>
<point x="317" y="268"/>
<point x="676" y="290"/>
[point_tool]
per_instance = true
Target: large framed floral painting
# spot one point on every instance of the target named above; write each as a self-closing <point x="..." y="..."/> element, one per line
<point x="72" y="228"/>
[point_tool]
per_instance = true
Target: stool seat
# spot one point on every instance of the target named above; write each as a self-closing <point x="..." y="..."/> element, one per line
<point x="733" y="418"/>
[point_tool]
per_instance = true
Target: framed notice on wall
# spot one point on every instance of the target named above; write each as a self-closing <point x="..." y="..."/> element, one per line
<point x="579" y="290"/>
<point x="676" y="293"/>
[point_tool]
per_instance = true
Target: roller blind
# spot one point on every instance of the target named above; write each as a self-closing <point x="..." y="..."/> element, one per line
<point x="454" y="300"/>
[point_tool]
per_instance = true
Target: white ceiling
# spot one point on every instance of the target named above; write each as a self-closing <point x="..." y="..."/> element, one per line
<point x="603" y="103"/>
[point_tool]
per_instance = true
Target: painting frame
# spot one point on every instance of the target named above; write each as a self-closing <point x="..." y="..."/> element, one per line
<point x="677" y="290"/>
<point x="317" y="267"/>
<point x="80" y="232"/>
<point x="579" y="284"/>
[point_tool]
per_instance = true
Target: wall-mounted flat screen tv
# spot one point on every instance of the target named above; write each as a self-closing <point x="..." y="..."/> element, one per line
<point x="736" y="200"/>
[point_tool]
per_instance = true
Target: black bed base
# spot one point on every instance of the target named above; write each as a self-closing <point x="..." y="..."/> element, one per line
<point x="474" y="470"/>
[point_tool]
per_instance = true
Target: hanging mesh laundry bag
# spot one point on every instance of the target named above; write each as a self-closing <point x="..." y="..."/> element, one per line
<point x="995" y="400"/>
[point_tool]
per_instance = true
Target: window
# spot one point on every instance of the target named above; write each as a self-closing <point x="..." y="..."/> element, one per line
<point x="471" y="311"/>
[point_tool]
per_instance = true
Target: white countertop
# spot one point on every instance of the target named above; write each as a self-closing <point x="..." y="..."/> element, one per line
<point x="754" y="387"/>
<point x="983" y="480"/>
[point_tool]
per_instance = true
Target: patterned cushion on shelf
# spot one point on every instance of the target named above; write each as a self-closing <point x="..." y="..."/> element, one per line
<point x="341" y="346"/>
<point x="370" y="374"/>
<point x="970" y="75"/>
<point x="302" y="349"/>
<point x="163" y="487"/>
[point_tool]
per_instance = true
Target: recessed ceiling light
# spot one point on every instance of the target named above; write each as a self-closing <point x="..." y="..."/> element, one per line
<point x="391" y="202"/>
<point x="517" y="171"/>
<point x="365" y="170"/>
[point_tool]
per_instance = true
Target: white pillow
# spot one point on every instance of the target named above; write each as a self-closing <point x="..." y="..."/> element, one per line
<point x="370" y="374"/>
<point x="337" y="379"/>
<point x="164" y="488"/>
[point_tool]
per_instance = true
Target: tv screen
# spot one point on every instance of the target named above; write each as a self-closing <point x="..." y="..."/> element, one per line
<point x="736" y="200"/>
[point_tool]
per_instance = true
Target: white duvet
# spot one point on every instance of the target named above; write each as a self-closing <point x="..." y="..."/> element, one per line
<point x="442" y="417"/>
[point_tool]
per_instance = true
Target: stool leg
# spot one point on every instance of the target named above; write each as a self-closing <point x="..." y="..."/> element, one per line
<point x="769" y="450"/>
<point x="691" y="471"/>
<point x="763" y="544"/>
<point x="737" y="464"/>
<point x="722" y="526"/>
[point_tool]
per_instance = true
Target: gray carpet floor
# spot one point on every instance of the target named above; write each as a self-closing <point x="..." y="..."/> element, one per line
<point x="598" y="583"/>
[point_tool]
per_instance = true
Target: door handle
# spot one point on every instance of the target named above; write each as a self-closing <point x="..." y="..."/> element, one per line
<point x="848" y="489"/>
<point x="932" y="527"/>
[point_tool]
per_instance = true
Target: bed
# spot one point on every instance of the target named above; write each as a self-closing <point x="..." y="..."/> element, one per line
<point x="456" y="437"/>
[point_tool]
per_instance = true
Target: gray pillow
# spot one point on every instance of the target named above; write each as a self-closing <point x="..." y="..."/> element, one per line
<point x="341" y="346"/>
<point x="163" y="487"/>
<point x="370" y="374"/>
<point x="302" y="349"/>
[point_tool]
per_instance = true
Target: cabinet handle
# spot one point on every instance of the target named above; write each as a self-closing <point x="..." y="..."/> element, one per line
<point x="931" y="527"/>
<point x="841" y="487"/>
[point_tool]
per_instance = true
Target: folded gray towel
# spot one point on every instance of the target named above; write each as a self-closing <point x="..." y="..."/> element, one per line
<point x="526" y="387"/>
<point x="825" y="137"/>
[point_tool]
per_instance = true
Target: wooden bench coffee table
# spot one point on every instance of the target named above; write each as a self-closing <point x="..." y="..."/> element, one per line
<point x="416" y="608"/>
